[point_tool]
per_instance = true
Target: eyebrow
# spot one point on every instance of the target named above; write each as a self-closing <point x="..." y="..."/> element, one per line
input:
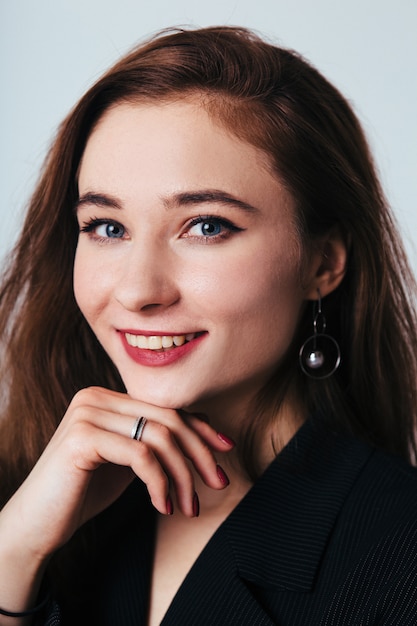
<point x="177" y="200"/>
<point x="97" y="199"/>
<point x="207" y="196"/>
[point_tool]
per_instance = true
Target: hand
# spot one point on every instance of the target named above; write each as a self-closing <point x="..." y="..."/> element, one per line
<point x="92" y="458"/>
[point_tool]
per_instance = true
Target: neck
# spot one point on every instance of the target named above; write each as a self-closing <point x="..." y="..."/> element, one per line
<point x="276" y="434"/>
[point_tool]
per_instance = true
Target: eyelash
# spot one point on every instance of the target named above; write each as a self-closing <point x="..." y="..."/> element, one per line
<point x="227" y="228"/>
<point x="91" y="225"/>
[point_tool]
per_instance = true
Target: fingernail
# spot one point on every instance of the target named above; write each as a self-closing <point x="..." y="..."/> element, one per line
<point x="196" y="506"/>
<point x="226" y="440"/>
<point x="222" y="476"/>
<point x="169" y="506"/>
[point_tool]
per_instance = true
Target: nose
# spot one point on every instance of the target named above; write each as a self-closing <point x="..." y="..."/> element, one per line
<point x="146" y="279"/>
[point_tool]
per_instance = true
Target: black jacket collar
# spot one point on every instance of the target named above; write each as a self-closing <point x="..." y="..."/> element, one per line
<point x="274" y="539"/>
<point x="279" y="532"/>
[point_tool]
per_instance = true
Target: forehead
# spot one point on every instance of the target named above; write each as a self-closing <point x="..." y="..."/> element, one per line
<point x="174" y="144"/>
<point x="186" y="121"/>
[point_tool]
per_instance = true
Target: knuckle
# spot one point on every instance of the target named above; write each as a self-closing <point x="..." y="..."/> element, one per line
<point x="160" y="482"/>
<point x="204" y="454"/>
<point x="79" y="414"/>
<point x="163" y="432"/>
<point x="79" y="431"/>
<point x="77" y="439"/>
<point x="86" y="396"/>
<point x="204" y="429"/>
<point x="142" y="451"/>
<point x="204" y="450"/>
<point x="181" y="476"/>
<point x="175" y="419"/>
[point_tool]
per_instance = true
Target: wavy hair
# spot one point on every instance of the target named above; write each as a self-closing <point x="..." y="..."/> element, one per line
<point x="275" y="100"/>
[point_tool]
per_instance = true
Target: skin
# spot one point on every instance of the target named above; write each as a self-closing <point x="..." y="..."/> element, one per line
<point x="149" y="173"/>
<point x="242" y="288"/>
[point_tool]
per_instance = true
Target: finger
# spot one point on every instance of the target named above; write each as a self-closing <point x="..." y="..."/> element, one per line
<point x="192" y="443"/>
<point x="88" y="427"/>
<point x="99" y="446"/>
<point x="123" y="404"/>
<point x="166" y="449"/>
<point x="218" y="441"/>
<point x="198" y="451"/>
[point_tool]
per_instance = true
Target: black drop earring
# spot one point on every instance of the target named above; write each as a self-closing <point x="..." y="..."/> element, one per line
<point x="319" y="355"/>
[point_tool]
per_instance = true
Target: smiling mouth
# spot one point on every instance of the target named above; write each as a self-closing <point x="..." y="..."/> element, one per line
<point x="159" y="342"/>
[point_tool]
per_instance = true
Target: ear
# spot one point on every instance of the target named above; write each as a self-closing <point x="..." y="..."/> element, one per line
<point x="326" y="266"/>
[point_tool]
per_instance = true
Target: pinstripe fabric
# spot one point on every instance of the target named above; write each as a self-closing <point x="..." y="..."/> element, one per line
<point x="327" y="537"/>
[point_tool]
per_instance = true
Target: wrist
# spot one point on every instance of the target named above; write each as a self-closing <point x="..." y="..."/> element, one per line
<point x="21" y="573"/>
<point x="42" y="602"/>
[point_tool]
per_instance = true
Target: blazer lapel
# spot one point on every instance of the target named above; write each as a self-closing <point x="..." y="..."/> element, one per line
<point x="276" y="536"/>
<point x="281" y="529"/>
<point x="214" y="594"/>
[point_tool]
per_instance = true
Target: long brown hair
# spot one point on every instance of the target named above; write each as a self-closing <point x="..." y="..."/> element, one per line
<point x="275" y="100"/>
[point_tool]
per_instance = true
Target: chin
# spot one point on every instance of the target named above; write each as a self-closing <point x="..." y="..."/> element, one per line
<point x="163" y="397"/>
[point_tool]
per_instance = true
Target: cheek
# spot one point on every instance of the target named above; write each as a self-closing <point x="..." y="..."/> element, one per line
<point x="78" y="281"/>
<point x="251" y="282"/>
<point x="88" y="284"/>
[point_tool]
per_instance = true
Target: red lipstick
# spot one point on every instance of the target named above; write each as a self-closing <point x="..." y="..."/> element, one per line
<point x="158" y="358"/>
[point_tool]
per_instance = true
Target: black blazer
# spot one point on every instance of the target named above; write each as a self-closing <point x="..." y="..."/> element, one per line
<point x="326" y="537"/>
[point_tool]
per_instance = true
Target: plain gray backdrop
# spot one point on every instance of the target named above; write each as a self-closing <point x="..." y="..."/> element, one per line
<point x="52" y="50"/>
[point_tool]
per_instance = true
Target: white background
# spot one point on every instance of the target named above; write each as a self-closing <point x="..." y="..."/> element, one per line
<point x="52" y="50"/>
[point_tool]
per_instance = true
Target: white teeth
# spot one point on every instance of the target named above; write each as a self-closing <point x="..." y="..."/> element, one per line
<point x="167" y="341"/>
<point x="157" y="342"/>
<point x="141" y="341"/>
<point x="133" y="340"/>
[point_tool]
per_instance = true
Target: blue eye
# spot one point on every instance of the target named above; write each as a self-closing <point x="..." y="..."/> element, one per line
<point x="211" y="227"/>
<point x="104" y="229"/>
<point x="110" y="229"/>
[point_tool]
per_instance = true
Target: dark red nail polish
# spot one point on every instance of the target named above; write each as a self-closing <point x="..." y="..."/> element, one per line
<point x="169" y="506"/>
<point x="222" y="476"/>
<point x="196" y="506"/>
<point x="226" y="440"/>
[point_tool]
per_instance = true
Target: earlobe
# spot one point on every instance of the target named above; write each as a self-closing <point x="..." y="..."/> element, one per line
<point x="327" y="266"/>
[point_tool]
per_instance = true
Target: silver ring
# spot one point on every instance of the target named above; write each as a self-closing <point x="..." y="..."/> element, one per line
<point x="138" y="426"/>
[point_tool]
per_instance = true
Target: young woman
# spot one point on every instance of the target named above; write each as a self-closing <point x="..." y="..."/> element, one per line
<point x="209" y="367"/>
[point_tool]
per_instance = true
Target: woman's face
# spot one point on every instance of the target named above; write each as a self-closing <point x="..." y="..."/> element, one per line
<point x="186" y="238"/>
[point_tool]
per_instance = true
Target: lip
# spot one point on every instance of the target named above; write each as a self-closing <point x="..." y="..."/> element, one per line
<point x="158" y="358"/>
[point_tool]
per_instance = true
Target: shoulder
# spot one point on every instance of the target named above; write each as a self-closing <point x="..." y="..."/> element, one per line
<point x="384" y="493"/>
<point x="328" y="535"/>
<point x="380" y="506"/>
<point x="371" y="561"/>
